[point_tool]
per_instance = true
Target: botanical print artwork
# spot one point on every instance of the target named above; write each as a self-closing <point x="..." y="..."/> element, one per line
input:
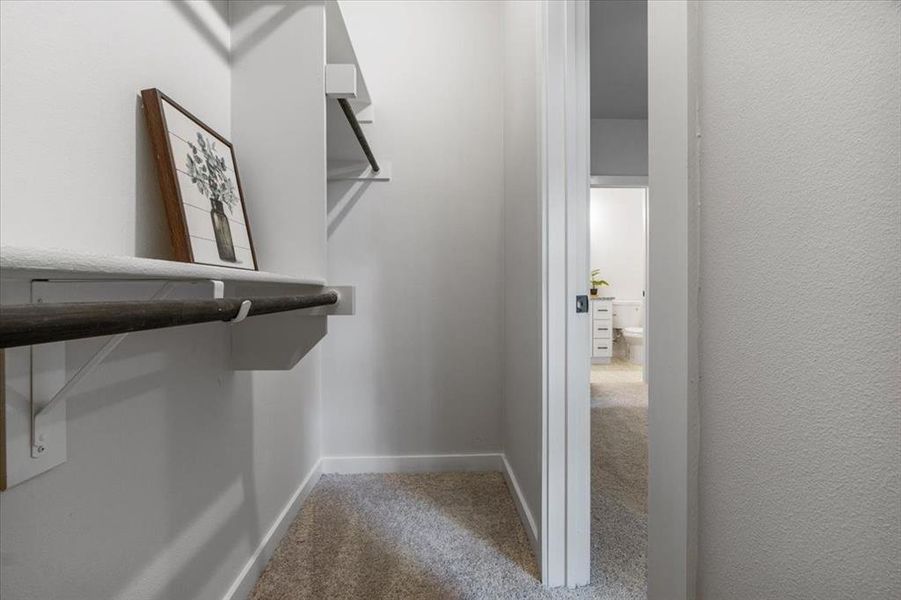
<point x="208" y="172"/>
<point x="199" y="186"/>
<point x="209" y="191"/>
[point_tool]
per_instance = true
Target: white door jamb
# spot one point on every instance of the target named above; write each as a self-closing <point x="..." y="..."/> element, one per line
<point x="672" y="297"/>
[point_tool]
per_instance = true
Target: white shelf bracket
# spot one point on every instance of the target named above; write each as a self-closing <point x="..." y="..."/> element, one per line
<point x="41" y="410"/>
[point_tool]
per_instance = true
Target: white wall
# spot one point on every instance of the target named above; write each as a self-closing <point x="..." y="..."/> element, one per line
<point x="73" y="145"/>
<point x="418" y="370"/>
<point x="279" y="130"/>
<point x="617" y="240"/>
<point x="619" y="147"/>
<point x="800" y="477"/>
<point x="177" y="466"/>
<point x="521" y="423"/>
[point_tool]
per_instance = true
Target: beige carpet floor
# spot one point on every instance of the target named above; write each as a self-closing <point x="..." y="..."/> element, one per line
<point x="435" y="535"/>
<point x="457" y="535"/>
<point x="619" y="481"/>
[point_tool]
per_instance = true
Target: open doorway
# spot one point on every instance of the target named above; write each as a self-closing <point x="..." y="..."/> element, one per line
<point x="569" y="533"/>
<point x="618" y="255"/>
<point x="619" y="390"/>
<point x="618" y="238"/>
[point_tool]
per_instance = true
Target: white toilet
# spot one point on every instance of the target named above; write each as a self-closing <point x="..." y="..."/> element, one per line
<point x="628" y="316"/>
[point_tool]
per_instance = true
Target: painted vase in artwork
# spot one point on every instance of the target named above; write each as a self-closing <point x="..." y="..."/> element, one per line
<point x="223" y="232"/>
<point x="209" y="172"/>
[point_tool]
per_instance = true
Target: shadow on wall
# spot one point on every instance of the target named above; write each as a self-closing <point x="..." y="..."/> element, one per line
<point x="278" y="11"/>
<point x="344" y="194"/>
<point x="161" y="464"/>
<point x="189" y="11"/>
<point x="209" y="490"/>
<point x="342" y="145"/>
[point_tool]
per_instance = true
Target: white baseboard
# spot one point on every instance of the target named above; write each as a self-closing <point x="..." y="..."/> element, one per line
<point x="440" y="462"/>
<point x="522" y="507"/>
<point x="247" y="578"/>
<point x="414" y="463"/>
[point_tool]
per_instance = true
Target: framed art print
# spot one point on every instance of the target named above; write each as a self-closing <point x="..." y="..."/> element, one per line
<point x="199" y="182"/>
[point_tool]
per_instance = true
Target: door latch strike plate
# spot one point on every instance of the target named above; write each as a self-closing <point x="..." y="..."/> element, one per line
<point x="581" y="304"/>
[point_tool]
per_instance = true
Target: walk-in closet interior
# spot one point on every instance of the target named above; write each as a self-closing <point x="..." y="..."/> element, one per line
<point x="450" y="299"/>
<point x="199" y="342"/>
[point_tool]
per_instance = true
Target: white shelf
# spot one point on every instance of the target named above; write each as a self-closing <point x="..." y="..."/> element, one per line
<point x="340" y="50"/>
<point x="339" y="170"/>
<point x="34" y="398"/>
<point x="341" y="81"/>
<point x="46" y="263"/>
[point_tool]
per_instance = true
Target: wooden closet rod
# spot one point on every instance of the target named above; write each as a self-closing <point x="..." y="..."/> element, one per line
<point x="26" y="324"/>
<point x="358" y="131"/>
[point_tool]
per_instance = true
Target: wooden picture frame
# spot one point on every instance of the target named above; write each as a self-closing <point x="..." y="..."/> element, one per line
<point x="198" y="181"/>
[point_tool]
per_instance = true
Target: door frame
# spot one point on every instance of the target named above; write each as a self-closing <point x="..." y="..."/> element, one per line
<point x="565" y="150"/>
<point x="672" y="309"/>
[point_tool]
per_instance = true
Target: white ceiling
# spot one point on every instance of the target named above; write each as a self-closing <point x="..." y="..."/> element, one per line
<point x="619" y="59"/>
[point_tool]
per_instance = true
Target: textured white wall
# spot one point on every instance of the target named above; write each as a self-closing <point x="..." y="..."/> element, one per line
<point x="619" y="147"/>
<point x="617" y="240"/>
<point x="521" y="424"/>
<point x="419" y="367"/>
<point x="800" y="464"/>
<point x="177" y="466"/>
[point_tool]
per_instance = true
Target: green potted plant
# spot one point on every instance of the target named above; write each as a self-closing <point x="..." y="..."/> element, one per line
<point x="596" y="281"/>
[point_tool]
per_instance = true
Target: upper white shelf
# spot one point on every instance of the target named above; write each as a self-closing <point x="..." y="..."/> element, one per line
<point x="42" y="263"/>
<point x="340" y="50"/>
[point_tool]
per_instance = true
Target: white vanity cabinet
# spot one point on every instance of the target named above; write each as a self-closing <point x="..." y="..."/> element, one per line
<point x="601" y="329"/>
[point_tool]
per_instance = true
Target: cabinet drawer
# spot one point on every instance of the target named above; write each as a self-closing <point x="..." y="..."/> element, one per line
<point x="603" y="309"/>
<point x="602" y="329"/>
<point x="602" y="348"/>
